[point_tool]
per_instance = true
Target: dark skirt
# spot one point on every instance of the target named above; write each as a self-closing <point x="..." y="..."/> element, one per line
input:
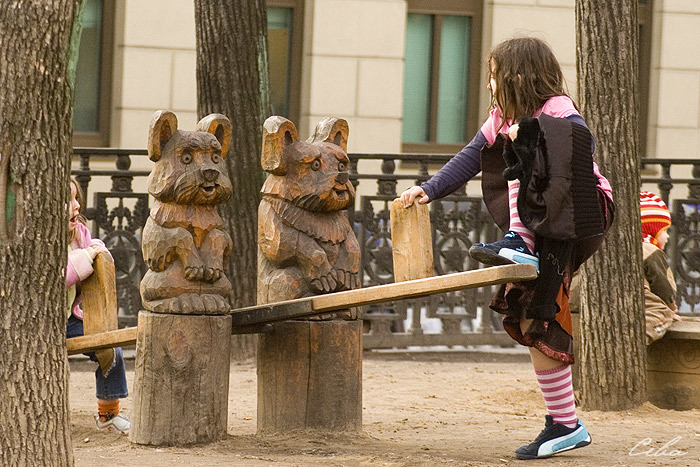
<point x="553" y="338"/>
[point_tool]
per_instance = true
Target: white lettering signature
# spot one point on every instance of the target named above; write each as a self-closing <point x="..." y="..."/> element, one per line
<point x="638" y="449"/>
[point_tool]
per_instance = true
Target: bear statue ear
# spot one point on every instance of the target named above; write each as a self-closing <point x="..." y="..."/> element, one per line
<point x="163" y="126"/>
<point x="220" y="126"/>
<point x="331" y="130"/>
<point x="278" y="132"/>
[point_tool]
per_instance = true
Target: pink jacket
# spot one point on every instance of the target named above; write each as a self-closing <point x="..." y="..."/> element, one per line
<point x="79" y="266"/>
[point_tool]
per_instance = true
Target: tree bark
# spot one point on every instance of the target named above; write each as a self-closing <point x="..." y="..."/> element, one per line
<point x="232" y="80"/>
<point x="38" y="40"/>
<point x="612" y="348"/>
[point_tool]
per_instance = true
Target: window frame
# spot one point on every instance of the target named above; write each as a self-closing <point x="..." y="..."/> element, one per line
<point x="100" y="138"/>
<point x="296" y="53"/>
<point x="473" y="9"/>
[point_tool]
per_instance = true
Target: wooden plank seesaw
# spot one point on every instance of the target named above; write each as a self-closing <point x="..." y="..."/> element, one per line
<point x="260" y="315"/>
<point x="254" y="318"/>
<point x="413" y="271"/>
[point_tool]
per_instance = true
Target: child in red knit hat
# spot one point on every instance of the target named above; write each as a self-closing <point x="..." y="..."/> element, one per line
<point x="660" y="307"/>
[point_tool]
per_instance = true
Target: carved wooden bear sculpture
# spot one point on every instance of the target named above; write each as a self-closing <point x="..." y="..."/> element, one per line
<point x="184" y="244"/>
<point x="305" y="243"/>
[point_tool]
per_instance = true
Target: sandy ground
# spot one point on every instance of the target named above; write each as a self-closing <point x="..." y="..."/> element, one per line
<point x="445" y="409"/>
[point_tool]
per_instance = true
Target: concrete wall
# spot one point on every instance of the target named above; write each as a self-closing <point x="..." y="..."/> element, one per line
<point x="674" y="116"/>
<point x="353" y="66"/>
<point x="550" y="20"/>
<point x="355" y="70"/>
<point x="154" y="67"/>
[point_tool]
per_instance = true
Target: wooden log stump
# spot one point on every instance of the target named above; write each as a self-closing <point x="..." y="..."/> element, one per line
<point x="181" y="379"/>
<point x="310" y="376"/>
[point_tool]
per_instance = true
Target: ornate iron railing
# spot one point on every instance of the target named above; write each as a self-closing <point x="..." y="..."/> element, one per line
<point x="457" y="318"/>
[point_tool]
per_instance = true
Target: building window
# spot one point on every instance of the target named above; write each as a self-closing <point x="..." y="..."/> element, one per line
<point x="441" y="75"/>
<point x="91" y="106"/>
<point x="284" y="18"/>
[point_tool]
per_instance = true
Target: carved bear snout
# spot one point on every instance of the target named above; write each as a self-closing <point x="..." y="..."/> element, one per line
<point x="342" y="178"/>
<point x="210" y="174"/>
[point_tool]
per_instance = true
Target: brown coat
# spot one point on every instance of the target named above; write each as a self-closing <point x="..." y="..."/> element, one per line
<point x="659" y="292"/>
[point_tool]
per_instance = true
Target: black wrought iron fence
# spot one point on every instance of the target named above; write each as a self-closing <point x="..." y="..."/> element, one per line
<point x="117" y="211"/>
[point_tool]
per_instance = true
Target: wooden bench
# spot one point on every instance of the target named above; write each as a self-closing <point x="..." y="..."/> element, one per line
<point x="673" y="367"/>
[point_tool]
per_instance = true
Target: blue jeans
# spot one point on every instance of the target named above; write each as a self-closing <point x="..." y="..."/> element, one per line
<point x="112" y="386"/>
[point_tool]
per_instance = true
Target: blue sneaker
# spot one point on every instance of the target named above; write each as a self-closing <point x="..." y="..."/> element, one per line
<point x="510" y="250"/>
<point x="555" y="438"/>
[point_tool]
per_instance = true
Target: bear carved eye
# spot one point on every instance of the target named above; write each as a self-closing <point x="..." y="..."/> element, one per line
<point x="186" y="158"/>
<point x="215" y="158"/>
<point x="342" y="166"/>
<point x="316" y="164"/>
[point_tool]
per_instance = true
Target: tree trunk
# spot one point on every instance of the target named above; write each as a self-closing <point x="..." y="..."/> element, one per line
<point x="612" y="348"/>
<point x="37" y="40"/>
<point x="232" y="80"/>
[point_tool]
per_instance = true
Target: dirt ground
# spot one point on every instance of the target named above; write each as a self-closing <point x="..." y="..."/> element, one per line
<point x="438" y="409"/>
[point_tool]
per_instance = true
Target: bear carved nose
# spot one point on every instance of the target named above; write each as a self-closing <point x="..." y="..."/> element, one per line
<point x="342" y="178"/>
<point x="210" y="174"/>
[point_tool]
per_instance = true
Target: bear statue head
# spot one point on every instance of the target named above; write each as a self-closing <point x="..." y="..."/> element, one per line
<point x="311" y="174"/>
<point x="189" y="165"/>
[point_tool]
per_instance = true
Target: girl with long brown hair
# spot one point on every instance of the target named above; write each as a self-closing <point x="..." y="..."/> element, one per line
<point x="542" y="187"/>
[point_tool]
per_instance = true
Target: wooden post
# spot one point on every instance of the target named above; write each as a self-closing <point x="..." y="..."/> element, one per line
<point x="411" y="241"/>
<point x="309" y="372"/>
<point x="183" y="345"/>
<point x="99" y="293"/>
<point x="181" y="379"/>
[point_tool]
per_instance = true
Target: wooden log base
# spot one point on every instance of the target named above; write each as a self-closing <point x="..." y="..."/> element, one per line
<point x="180" y="379"/>
<point x="310" y="376"/>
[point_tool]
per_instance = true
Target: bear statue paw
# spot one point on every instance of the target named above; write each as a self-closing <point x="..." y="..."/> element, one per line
<point x="194" y="273"/>
<point x="213" y="274"/>
<point x="191" y="303"/>
<point x="159" y="263"/>
<point x="325" y="284"/>
<point x="335" y="281"/>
